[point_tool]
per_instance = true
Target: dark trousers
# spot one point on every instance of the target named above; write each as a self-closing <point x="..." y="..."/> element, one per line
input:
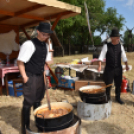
<point x="33" y="89"/>
<point x="113" y="74"/>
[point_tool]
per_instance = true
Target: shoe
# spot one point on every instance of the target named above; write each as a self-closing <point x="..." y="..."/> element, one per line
<point x="119" y="100"/>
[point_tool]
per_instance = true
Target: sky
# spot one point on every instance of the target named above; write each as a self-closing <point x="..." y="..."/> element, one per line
<point x="126" y="9"/>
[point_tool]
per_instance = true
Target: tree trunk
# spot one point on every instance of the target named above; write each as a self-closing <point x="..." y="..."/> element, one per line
<point x="82" y="31"/>
<point x="81" y="49"/>
<point x="129" y="45"/>
<point x="88" y="44"/>
<point x="62" y="47"/>
<point x="62" y="51"/>
<point x="69" y="45"/>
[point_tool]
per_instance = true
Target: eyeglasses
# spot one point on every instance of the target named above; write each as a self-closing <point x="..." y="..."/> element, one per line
<point x="45" y="35"/>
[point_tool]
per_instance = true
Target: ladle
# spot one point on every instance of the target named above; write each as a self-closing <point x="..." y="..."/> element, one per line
<point x="47" y="93"/>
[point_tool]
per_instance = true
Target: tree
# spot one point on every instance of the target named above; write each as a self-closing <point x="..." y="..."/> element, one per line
<point x="97" y="40"/>
<point x="74" y="30"/>
<point x="109" y="19"/>
<point x="76" y="27"/>
<point x="127" y="40"/>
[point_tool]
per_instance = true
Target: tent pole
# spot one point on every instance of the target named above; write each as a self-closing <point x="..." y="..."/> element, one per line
<point x="56" y="21"/>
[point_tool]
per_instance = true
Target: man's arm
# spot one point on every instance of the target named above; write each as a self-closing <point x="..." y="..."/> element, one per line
<point x="26" y="52"/>
<point x="99" y="66"/>
<point x="102" y="56"/>
<point x="127" y="68"/>
<point x="22" y="70"/>
<point x="46" y="80"/>
<point x="124" y="57"/>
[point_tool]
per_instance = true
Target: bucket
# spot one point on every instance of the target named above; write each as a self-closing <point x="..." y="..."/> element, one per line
<point x="11" y="89"/>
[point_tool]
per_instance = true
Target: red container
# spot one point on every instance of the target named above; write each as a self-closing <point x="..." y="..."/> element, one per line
<point x="124" y="85"/>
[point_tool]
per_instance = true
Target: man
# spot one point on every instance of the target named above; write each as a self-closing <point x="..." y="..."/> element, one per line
<point x="31" y="63"/>
<point x="113" y="52"/>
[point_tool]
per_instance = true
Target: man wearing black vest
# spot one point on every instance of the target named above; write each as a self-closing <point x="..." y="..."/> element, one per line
<point x="113" y="52"/>
<point x="31" y="62"/>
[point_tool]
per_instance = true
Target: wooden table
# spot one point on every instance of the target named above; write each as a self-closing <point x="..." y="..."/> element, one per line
<point x="4" y="71"/>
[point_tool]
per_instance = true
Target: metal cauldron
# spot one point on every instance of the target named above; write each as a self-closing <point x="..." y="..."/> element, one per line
<point x="56" y="123"/>
<point x="73" y="128"/>
<point x="93" y="98"/>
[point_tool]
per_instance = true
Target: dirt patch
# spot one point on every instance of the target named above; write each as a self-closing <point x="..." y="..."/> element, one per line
<point x="121" y="120"/>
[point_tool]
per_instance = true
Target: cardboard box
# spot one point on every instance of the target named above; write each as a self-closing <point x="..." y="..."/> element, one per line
<point x="67" y="83"/>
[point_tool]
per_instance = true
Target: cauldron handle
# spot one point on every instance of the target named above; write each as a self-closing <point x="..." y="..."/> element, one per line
<point x="43" y="120"/>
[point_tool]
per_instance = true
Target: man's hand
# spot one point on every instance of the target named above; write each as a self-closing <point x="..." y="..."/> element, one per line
<point x="47" y="82"/>
<point x="25" y="79"/>
<point x="127" y="68"/>
<point x="99" y="66"/>
<point x="22" y="71"/>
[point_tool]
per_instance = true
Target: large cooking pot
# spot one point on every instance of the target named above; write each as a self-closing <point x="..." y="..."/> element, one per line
<point x="74" y="128"/>
<point x="91" y="97"/>
<point x="55" y="123"/>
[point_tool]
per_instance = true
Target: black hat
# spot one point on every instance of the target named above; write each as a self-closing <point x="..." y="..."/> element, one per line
<point x="115" y="32"/>
<point x="44" y="27"/>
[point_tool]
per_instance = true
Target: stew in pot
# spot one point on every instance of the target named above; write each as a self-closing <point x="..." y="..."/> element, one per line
<point x="93" y="91"/>
<point x="54" y="112"/>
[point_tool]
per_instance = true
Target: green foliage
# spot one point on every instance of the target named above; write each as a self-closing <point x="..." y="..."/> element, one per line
<point x="75" y="28"/>
<point x="97" y="40"/>
<point x="126" y="39"/>
<point x="110" y="19"/>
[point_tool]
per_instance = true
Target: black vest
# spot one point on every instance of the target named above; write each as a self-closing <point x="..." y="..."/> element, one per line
<point x="113" y="55"/>
<point x="36" y="64"/>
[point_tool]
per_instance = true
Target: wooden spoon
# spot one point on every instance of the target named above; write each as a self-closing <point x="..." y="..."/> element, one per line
<point x="47" y="93"/>
<point x="105" y="86"/>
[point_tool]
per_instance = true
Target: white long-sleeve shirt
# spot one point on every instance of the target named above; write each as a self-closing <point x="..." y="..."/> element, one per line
<point x="104" y="51"/>
<point x="27" y="49"/>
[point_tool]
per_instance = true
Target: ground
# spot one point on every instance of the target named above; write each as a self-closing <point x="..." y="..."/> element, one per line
<point x="121" y="120"/>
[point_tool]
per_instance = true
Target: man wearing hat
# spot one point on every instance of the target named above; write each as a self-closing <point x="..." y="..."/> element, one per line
<point x="31" y="63"/>
<point x="113" y="52"/>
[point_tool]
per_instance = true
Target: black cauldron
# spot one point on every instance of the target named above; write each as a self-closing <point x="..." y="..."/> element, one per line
<point x="57" y="123"/>
<point x="74" y="122"/>
<point x="93" y="98"/>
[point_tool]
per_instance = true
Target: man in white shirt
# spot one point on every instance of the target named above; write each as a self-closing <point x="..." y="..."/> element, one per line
<point x="31" y="63"/>
<point x="113" y="52"/>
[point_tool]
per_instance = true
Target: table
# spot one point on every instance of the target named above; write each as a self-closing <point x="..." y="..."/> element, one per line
<point x="4" y="71"/>
<point x="76" y="67"/>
